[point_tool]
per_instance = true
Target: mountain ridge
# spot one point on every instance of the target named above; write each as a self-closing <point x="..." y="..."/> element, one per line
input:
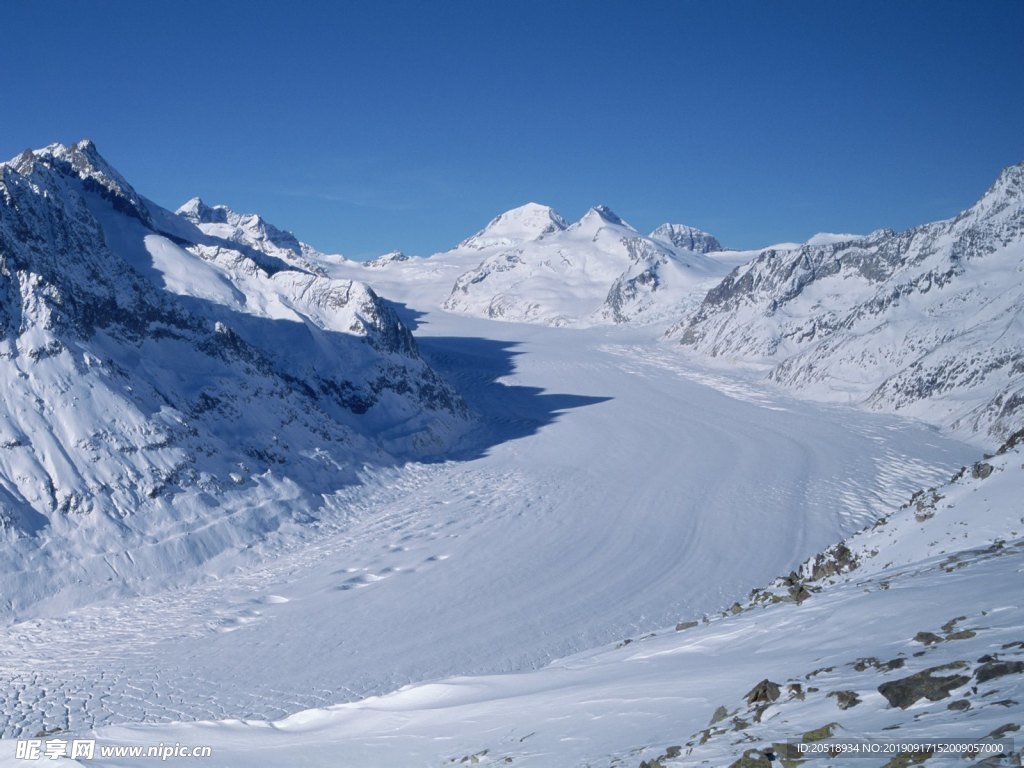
<point x="921" y="321"/>
<point x="162" y="387"/>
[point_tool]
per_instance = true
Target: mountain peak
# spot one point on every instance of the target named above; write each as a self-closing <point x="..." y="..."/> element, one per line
<point x="601" y="216"/>
<point x="690" y="238"/>
<point x="198" y="212"/>
<point x="607" y="214"/>
<point x="1008" y="186"/>
<point x="83" y="161"/>
<point x="527" y="222"/>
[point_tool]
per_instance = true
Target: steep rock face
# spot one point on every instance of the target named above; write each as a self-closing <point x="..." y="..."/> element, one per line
<point x="597" y="270"/>
<point x="687" y="238"/>
<point x="925" y="321"/>
<point x="162" y="383"/>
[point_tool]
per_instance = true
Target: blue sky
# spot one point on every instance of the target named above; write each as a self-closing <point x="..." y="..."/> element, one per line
<point x="365" y="127"/>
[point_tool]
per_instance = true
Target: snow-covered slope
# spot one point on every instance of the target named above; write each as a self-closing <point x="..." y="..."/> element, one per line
<point x="926" y="322"/>
<point x="171" y="395"/>
<point x="598" y="270"/>
<point x="905" y="635"/>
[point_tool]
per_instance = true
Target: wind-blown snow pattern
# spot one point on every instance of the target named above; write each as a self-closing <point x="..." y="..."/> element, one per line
<point x="595" y="271"/>
<point x="926" y="322"/>
<point x="172" y="396"/>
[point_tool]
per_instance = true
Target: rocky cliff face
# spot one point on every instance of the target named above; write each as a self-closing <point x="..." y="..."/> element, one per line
<point x="170" y="394"/>
<point x="926" y="321"/>
<point x="688" y="238"/>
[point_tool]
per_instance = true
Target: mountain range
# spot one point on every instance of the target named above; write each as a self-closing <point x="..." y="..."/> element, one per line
<point x="563" y="494"/>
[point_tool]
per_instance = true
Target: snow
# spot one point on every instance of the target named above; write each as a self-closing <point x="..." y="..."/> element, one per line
<point x="511" y="590"/>
<point x="527" y="222"/>
<point x="592" y="515"/>
<point x="596" y="271"/>
<point x="632" y="702"/>
<point x="830" y="238"/>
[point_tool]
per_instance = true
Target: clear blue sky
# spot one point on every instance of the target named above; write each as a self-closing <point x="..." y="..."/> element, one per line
<point x="369" y="126"/>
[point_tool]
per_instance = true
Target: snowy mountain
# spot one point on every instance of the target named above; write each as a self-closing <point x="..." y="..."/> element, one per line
<point x="223" y="455"/>
<point x="527" y="222"/>
<point x="388" y="258"/>
<point x="687" y="238"/>
<point x="252" y="230"/>
<point x="926" y="322"/>
<point x="173" y="394"/>
<point x="598" y="270"/>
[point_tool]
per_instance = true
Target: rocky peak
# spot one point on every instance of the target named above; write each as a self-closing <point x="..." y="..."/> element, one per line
<point x="198" y="212"/>
<point x="690" y="238"/>
<point x="83" y="161"/>
<point x="1006" y="192"/>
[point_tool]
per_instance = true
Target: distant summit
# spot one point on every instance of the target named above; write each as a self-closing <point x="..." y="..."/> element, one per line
<point x="527" y="222"/>
<point x="598" y="270"/>
<point x="690" y="238"/>
<point x="600" y="216"/>
<point x="249" y="229"/>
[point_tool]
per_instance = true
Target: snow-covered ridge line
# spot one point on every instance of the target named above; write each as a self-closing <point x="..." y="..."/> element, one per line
<point x="924" y="322"/>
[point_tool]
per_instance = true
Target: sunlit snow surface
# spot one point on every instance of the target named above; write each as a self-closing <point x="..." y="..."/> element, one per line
<point x="476" y="609"/>
<point x="628" y="492"/>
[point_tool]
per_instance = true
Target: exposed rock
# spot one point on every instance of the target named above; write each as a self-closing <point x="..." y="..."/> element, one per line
<point x="981" y="470"/>
<point x="950" y="625"/>
<point x="799" y="593"/>
<point x="883" y="666"/>
<point x="960" y="705"/>
<point x="963" y="634"/>
<point x="906" y="691"/>
<point x="994" y="669"/>
<point x="686" y="625"/>
<point x="764" y="692"/>
<point x="719" y="715"/>
<point x="826" y="731"/>
<point x="845" y="699"/>
<point x="1002" y="730"/>
<point x="752" y="758"/>
<point x="835" y="560"/>
<point x="927" y="638"/>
